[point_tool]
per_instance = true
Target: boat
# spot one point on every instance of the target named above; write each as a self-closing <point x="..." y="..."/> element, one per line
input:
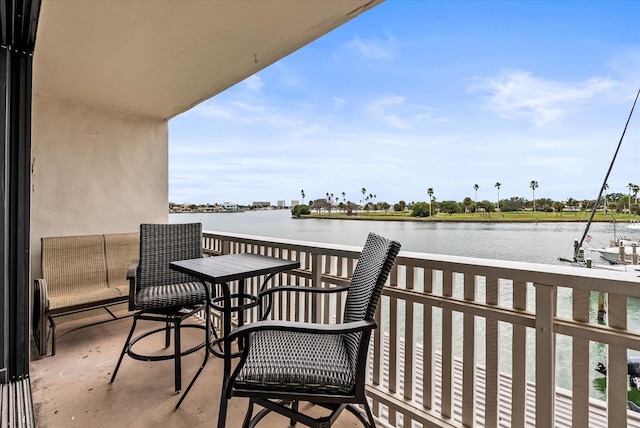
<point x="633" y="371"/>
<point x="621" y="252"/>
<point x="634" y="225"/>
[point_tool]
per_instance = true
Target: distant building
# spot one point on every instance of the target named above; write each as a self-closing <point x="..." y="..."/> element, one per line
<point x="228" y="206"/>
<point x="184" y="208"/>
<point x="260" y="204"/>
<point x="281" y="204"/>
<point x="294" y="202"/>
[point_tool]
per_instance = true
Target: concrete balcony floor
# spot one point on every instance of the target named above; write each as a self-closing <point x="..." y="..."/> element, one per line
<point x="72" y="388"/>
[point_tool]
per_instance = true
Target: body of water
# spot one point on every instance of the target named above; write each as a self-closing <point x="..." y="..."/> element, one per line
<point x="528" y="242"/>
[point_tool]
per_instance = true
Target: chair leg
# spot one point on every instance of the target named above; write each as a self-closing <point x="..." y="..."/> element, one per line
<point x="369" y="422"/>
<point x="177" y="351"/>
<point x="207" y="341"/>
<point x="247" y="417"/>
<point x="222" y="412"/>
<point x="167" y="333"/>
<point x="124" y="349"/>
<point x="367" y="409"/>
<point x="52" y="332"/>
<point x="295" y="405"/>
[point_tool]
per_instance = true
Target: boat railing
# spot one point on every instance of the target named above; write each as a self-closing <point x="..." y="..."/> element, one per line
<point x="475" y="341"/>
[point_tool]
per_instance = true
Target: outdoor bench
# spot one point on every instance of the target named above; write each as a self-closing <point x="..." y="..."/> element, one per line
<point x="80" y="273"/>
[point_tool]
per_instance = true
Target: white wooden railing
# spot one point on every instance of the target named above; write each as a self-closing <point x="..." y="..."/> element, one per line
<point x="474" y="342"/>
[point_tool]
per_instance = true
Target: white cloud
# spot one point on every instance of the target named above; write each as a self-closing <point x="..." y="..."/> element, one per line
<point x="246" y="114"/>
<point x="394" y="111"/>
<point x="380" y="109"/>
<point x="254" y="83"/>
<point x="519" y="94"/>
<point x="338" y="102"/>
<point x="372" y="49"/>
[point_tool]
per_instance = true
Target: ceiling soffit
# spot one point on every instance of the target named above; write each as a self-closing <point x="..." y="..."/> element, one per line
<point x="160" y="58"/>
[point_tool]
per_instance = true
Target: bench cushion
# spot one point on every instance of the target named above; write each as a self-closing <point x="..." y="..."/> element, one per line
<point x="86" y="298"/>
<point x="121" y="249"/>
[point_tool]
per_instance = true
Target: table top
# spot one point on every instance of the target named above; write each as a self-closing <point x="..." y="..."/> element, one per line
<point x="231" y="267"/>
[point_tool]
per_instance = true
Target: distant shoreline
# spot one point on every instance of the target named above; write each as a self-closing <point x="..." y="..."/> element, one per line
<point x="541" y="219"/>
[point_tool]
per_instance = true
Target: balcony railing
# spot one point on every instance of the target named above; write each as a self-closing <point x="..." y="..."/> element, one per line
<point x="475" y="342"/>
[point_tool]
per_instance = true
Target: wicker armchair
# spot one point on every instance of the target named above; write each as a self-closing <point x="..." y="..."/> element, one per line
<point x="284" y="363"/>
<point x="158" y="293"/>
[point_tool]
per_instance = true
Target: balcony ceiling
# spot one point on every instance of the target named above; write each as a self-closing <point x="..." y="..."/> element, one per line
<point x="160" y="58"/>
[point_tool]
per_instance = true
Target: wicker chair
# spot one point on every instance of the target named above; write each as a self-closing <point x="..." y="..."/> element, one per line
<point x="158" y="293"/>
<point x="284" y="363"/>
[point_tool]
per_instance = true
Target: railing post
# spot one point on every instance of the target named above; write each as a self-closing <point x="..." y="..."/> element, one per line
<point x="545" y="356"/>
<point x="519" y="359"/>
<point x="409" y="337"/>
<point x="617" y="367"/>
<point x="427" y="345"/>
<point x="316" y="281"/>
<point x="469" y="355"/>
<point x="492" y="362"/>
<point x="225" y="247"/>
<point x="580" y="364"/>
<point x="447" y="348"/>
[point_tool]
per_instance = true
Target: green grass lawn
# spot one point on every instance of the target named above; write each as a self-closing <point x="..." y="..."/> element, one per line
<point x="521" y="216"/>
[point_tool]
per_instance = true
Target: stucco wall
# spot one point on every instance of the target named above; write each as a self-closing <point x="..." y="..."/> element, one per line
<point x="94" y="171"/>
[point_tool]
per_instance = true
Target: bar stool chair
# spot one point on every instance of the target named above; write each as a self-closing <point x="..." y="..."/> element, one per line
<point x="158" y="293"/>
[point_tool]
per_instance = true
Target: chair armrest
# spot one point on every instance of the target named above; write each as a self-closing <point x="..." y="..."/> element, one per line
<point x="302" y="289"/>
<point x="132" y="269"/>
<point x="132" y="276"/>
<point x="268" y="294"/>
<point x="39" y="317"/>
<point x="41" y="288"/>
<point x="302" y="327"/>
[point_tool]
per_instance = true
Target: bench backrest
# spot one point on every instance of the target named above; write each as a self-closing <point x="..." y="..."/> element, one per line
<point x="121" y="249"/>
<point x="73" y="264"/>
<point x="77" y="264"/>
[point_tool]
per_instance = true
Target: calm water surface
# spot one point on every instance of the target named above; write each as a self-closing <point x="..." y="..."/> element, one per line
<point x="530" y="242"/>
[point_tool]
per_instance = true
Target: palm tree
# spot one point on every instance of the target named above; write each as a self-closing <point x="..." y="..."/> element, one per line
<point x="498" y="184"/>
<point x="630" y="186"/>
<point x="344" y="197"/>
<point x="467" y="203"/>
<point x="363" y="192"/>
<point x="636" y="189"/>
<point x="476" y="187"/>
<point x="302" y="193"/>
<point x="572" y="203"/>
<point x="430" y="193"/>
<point x="605" y="187"/>
<point x="534" y="186"/>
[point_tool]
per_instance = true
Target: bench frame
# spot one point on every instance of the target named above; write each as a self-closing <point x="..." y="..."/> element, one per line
<point x="43" y="315"/>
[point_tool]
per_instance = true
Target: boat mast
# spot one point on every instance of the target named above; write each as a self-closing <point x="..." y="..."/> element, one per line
<point x="606" y="177"/>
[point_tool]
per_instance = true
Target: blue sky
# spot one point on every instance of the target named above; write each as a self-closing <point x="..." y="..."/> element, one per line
<point x="427" y="94"/>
